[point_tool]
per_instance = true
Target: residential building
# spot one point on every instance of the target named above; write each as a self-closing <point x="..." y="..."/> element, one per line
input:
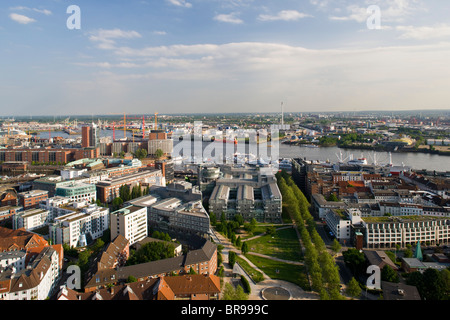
<point x="387" y="232"/>
<point x="30" y="219"/>
<point x="37" y="280"/>
<point x="186" y="287"/>
<point x="20" y="239"/>
<point x="130" y="222"/>
<point x="176" y="209"/>
<point x="81" y="226"/>
<point x="31" y="199"/>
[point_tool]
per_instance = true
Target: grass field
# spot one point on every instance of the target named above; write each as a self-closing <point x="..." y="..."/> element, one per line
<point x="283" y="245"/>
<point x="281" y="271"/>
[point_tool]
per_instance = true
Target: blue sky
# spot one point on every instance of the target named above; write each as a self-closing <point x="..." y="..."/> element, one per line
<point x="203" y="56"/>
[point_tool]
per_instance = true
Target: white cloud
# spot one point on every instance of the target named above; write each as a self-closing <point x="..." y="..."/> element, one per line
<point x="106" y="39"/>
<point x="21" y="18"/>
<point x="284" y="15"/>
<point x="229" y="18"/>
<point x="391" y="10"/>
<point x="43" y="11"/>
<point x="424" y="33"/>
<point x="180" y="3"/>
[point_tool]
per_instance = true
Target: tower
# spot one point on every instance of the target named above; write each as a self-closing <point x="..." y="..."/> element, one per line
<point x="89" y="136"/>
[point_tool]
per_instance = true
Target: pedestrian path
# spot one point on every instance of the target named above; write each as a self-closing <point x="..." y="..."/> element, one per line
<point x="296" y="292"/>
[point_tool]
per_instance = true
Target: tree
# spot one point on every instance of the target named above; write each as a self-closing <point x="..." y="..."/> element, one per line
<point x="388" y="274"/>
<point x="434" y="286"/>
<point x="232" y="258"/>
<point x="125" y="193"/>
<point x="212" y="218"/>
<point x="244" y="247"/>
<point x="230" y="293"/>
<point x="159" y="153"/>
<point x="116" y="203"/>
<point x="141" y="153"/>
<point x="336" y="246"/>
<point x="332" y="197"/>
<point x="152" y="251"/>
<point x="354" y="260"/>
<point x="353" y="288"/>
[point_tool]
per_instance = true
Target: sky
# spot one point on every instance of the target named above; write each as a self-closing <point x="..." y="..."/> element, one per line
<point x="220" y="56"/>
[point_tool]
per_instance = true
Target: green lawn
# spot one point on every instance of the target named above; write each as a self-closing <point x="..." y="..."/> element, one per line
<point x="282" y="271"/>
<point x="283" y="245"/>
<point x="256" y="275"/>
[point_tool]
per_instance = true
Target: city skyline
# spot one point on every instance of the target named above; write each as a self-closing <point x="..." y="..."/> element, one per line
<point x="181" y="56"/>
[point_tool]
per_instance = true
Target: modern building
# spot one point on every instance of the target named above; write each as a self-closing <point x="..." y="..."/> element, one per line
<point x="89" y="136"/>
<point x="81" y="226"/>
<point x="77" y="192"/>
<point x="387" y="232"/>
<point x="30" y="219"/>
<point x="248" y="192"/>
<point x="130" y="222"/>
<point x="176" y="209"/>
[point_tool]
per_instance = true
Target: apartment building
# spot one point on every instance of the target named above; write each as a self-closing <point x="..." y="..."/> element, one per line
<point x="130" y="222"/>
<point x="37" y="280"/>
<point x="387" y="232"/>
<point x="31" y="199"/>
<point x="108" y="190"/>
<point x="30" y="219"/>
<point x="81" y="226"/>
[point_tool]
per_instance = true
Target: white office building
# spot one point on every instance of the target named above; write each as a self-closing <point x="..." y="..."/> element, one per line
<point x="130" y="222"/>
<point x="81" y="226"/>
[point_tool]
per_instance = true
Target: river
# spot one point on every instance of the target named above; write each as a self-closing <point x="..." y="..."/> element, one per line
<point x="416" y="161"/>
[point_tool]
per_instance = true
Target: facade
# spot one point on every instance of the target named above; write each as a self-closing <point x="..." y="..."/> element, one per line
<point x="387" y="232"/>
<point x="46" y="155"/>
<point x="89" y="136"/>
<point x="30" y="219"/>
<point x="80" y="226"/>
<point x="130" y="222"/>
